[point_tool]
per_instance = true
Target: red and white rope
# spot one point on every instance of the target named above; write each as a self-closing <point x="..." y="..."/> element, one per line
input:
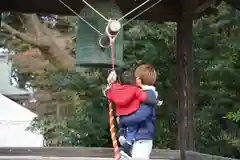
<point x="111" y="115"/>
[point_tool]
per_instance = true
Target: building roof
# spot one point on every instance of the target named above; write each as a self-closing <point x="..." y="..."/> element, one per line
<point x="12" y="111"/>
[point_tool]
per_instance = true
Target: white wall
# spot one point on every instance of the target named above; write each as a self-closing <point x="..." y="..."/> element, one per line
<point x="14" y="119"/>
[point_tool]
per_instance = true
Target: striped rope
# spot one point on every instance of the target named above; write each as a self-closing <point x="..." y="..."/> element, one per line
<point x="111" y="115"/>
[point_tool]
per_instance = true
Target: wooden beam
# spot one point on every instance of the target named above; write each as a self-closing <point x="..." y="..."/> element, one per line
<point x="165" y="12"/>
<point x="199" y="10"/>
<point x="204" y="6"/>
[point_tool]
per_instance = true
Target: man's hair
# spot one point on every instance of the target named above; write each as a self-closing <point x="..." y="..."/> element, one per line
<point x="127" y="77"/>
<point x="146" y="73"/>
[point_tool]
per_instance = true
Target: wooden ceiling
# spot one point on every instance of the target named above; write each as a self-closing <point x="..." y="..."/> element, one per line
<point x="166" y="10"/>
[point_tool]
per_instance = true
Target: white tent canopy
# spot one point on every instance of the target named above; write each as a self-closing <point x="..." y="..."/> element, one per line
<point x="14" y="119"/>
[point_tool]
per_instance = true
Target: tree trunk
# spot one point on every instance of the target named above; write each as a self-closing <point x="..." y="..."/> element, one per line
<point x="54" y="46"/>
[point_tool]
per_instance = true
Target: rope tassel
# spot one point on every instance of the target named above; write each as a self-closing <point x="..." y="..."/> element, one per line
<point x="113" y="134"/>
<point x="111" y="116"/>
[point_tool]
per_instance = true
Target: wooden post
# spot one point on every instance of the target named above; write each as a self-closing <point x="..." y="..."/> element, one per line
<point x="185" y="79"/>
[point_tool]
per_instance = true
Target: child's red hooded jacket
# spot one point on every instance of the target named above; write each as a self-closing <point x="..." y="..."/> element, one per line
<point x="126" y="97"/>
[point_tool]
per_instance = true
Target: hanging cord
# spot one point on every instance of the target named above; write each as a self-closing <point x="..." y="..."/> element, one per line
<point x="95" y="10"/>
<point x="112" y="55"/>
<point x="90" y="25"/>
<point x="105" y="17"/>
<point x="133" y="10"/>
<point x="145" y="10"/>
<point x="90" y="6"/>
<point x="111" y="116"/>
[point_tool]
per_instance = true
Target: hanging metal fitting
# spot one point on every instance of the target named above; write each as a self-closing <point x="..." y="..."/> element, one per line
<point x="113" y="28"/>
<point x="111" y="32"/>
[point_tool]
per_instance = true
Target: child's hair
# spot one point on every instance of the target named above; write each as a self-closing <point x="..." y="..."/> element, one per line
<point x="146" y="73"/>
<point x="127" y="77"/>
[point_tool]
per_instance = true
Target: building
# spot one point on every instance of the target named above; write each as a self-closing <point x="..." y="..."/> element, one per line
<point x="14" y="118"/>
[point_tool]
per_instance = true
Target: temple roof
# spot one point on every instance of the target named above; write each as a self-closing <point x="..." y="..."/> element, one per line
<point x="166" y="10"/>
<point x="14" y="93"/>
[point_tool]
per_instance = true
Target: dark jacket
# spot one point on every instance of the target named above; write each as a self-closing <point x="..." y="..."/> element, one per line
<point x="144" y="117"/>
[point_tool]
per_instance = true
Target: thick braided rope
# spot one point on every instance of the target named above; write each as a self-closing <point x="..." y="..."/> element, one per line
<point x="111" y="116"/>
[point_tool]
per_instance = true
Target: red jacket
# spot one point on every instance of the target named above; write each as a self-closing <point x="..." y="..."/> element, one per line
<point x="126" y="97"/>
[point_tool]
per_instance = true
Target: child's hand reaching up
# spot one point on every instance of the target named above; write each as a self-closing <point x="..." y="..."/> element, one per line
<point x="112" y="77"/>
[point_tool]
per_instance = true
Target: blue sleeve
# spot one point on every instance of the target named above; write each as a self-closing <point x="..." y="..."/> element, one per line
<point x="140" y="115"/>
<point x="151" y="98"/>
<point x="143" y="112"/>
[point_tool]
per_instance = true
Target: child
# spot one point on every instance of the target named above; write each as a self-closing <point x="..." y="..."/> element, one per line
<point x="127" y="97"/>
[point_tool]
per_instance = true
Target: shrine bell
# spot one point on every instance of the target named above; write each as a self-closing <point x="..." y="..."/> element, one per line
<point x="6" y="88"/>
<point x="93" y="49"/>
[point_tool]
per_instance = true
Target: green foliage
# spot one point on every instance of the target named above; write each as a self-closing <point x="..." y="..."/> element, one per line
<point x="235" y="116"/>
<point x="217" y="60"/>
<point x="217" y="55"/>
<point x="154" y="44"/>
<point x="79" y="129"/>
<point x="88" y="125"/>
<point x="217" y="79"/>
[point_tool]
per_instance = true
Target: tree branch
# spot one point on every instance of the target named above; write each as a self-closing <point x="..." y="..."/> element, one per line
<point x="53" y="45"/>
<point x="34" y="25"/>
<point x="29" y="64"/>
<point x="22" y="36"/>
<point x="57" y="56"/>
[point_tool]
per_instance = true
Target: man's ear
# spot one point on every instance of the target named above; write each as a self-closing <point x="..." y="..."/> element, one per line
<point x="138" y="80"/>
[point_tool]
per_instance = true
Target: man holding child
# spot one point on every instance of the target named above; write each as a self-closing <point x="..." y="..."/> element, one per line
<point x="136" y="99"/>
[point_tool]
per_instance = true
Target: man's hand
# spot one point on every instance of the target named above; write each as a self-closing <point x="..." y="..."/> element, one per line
<point x="112" y="77"/>
<point x="118" y="120"/>
<point x="160" y="103"/>
<point x="121" y="140"/>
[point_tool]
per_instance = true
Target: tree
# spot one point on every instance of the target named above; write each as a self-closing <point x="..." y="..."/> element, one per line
<point x="46" y="61"/>
<point x="216" y="73"/>
<point x="217" y="56"/>
<point x="53" y="45"/>
<point x="217" y="59"/>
